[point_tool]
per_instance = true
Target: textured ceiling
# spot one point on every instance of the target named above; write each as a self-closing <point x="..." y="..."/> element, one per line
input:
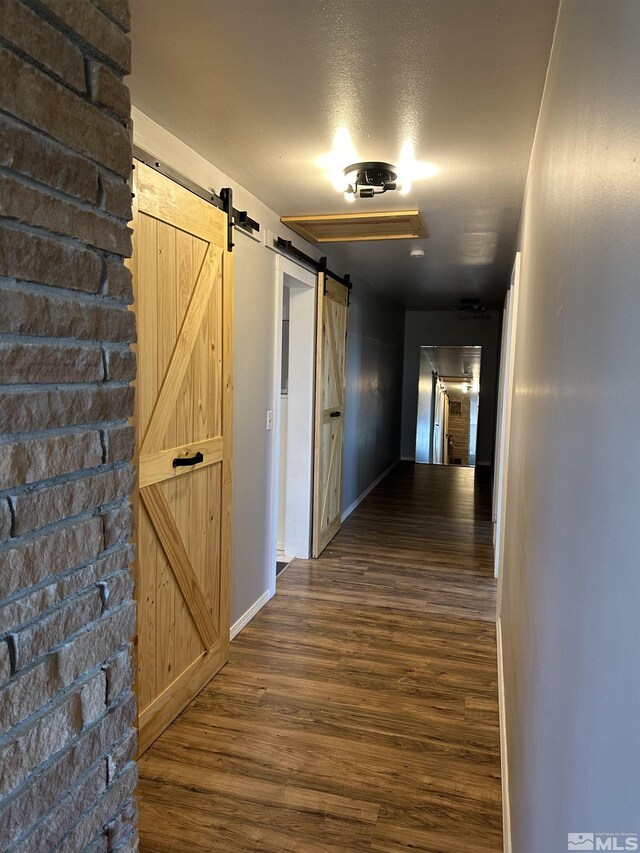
<point x="259" y="88"/>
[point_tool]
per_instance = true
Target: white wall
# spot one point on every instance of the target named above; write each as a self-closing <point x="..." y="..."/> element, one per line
<point x="282" y="483"/>
<point x="439" y="426"/>
<point x="451" y="328"/>
<point x="474" y="401"/>
<point x="254" y="357"/>
<point x="425" y="406"/>
<point x="571" y="593"/>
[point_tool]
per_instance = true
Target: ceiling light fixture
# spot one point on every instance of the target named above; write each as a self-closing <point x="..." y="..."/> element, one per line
<point x="370" y="178"/>
<point x="367" y="179"/>
<point x="417" y="253"/>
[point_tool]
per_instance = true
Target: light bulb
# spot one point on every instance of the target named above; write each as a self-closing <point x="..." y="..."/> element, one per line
<point x="333" y="163"/>
<point x="406" y="167"/>
<point x="410" y="169"/>
<point x="349" y="196"/>
<point x="342" y="148"/>
<point x="407" y="153"/>
<point x="339" y="181"/>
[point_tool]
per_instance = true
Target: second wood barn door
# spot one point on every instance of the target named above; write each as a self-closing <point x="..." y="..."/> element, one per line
<point x="183" y="304"/>
<point x="331" y="371"/>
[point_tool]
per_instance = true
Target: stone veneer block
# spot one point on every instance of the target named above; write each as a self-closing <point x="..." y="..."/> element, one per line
<point x="67" y="616"/>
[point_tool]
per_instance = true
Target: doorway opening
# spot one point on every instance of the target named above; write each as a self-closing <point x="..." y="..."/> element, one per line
<point x="448" y="405"/>
<point x="293" y="394"/>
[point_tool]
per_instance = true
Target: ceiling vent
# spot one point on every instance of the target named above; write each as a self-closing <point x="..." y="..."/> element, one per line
<point x="356" y="227"/>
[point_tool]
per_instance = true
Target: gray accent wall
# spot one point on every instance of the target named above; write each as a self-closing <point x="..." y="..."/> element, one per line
<point x="452" y="328"/>
<point x="374" y="390"/>
<point x="571" y="580"/>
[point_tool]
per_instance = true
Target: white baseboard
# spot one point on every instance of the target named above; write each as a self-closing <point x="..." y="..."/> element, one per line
<point x="367" y="491"/>
<point x="506" y="810"/>
<point x="248" y="615"/>
<point x="298" y="551"/>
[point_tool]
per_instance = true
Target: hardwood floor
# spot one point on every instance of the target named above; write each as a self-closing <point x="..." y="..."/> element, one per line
<point x="359" y="708"/>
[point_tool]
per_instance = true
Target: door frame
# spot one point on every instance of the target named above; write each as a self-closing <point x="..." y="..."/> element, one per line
<point x="497" y="478"/>
<point x="504" y="421"/>
<point x="302" y="353"/>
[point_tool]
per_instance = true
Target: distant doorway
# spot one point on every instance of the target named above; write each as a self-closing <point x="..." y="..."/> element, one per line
<point x="448" y="405"/>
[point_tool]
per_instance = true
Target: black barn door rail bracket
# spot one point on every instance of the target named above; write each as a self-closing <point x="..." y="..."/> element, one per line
<point x="236" y="218"/>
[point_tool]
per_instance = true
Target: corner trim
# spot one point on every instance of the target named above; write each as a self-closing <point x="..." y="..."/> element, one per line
<point x="367" y="491"/>
<point x="504" y="762"/>
<point x="248" y="615"/>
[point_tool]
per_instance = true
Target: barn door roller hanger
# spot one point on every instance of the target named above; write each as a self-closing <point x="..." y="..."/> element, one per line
<point x="224" y="201"/>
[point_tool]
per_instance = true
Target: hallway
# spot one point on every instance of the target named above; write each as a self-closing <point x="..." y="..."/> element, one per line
<point x="359" y="708"/>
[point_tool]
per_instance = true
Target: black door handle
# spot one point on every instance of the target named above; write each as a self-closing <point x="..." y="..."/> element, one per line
<point x="335" y="414"/>
<point x="181" y="461"/>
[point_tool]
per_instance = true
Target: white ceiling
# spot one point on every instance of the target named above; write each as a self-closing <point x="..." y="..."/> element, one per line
<point x="259" y="87"/>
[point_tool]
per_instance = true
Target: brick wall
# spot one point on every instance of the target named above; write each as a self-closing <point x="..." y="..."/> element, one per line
<point x="66" y="615"/>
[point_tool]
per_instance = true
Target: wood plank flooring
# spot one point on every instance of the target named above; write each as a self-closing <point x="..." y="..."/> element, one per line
<point x="359" y="708"/>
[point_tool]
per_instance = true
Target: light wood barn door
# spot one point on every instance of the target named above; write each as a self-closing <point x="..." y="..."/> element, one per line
<point x="331" y="371"/>
<point x="183" y="301"/>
